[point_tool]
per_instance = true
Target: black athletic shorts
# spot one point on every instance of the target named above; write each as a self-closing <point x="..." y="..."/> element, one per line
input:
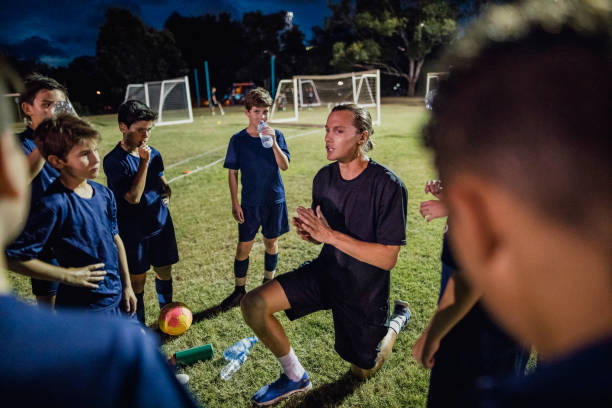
<point x="357" y="332"/>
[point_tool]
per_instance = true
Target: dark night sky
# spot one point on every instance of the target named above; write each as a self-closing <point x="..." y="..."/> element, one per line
<point x="57" y="31"/>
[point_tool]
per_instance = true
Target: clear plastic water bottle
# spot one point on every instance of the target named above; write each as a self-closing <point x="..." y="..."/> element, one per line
<point x="233" y="366"/>
<point x="242" y="346"/>
<point x="266" y="140"/>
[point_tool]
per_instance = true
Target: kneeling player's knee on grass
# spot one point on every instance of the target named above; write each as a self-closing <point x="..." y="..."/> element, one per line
<point x="163" y="272"/>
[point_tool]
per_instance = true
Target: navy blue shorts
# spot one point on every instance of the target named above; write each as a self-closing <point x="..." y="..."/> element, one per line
<point x="159" y="250"/>
<point x="41" y="287"/>
<point x="357" y="336"/>
<point x="272" y="218"/>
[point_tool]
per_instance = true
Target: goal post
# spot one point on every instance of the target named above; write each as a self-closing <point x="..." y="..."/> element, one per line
<point x="170" y="98"/>
<point x="431" y="87"/>
<point x="308" y="99"/>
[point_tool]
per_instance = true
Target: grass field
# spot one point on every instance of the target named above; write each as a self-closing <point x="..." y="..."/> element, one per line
<point x="207" y="236"/>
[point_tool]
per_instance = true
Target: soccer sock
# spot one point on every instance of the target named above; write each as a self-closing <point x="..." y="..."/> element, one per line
<point x="397" y="323"/>
<point x="241" y="268"/>
<point x="292" y="366"/>
<point x="270" y="262"/>
<point x="140" y="307"/>
<point x="164" y="291"/>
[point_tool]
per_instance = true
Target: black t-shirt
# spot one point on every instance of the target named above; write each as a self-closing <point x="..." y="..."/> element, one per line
<point x="372" y="208"/>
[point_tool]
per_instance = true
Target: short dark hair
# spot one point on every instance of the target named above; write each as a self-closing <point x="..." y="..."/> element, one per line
<point x="362" y="120"/>
<point x="531" y="112"/>
<point x="57" y="136"/>
<point x="35" y="82"/>
<point x="134" y="111"/>
<point x="259" y="97"/>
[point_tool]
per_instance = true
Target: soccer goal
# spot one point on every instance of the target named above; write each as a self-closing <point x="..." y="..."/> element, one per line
<point x="170" y="98"/>
<point x="308" y="99"/>
<point x="431" y="89"/>
<point x="15" y="107"/>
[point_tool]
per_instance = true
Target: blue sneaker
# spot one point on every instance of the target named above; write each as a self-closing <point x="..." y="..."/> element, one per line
<point x="401" y="315"/>
<point x="281" y="388"/>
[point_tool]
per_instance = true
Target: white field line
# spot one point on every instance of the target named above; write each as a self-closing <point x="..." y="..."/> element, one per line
<point x="200" y="168"/>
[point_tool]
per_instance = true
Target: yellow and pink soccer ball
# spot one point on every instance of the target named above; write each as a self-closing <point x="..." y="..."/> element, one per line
<point x="175" y="318"/>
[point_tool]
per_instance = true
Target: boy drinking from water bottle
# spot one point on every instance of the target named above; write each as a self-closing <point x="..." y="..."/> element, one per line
<point x="263" y="195"/>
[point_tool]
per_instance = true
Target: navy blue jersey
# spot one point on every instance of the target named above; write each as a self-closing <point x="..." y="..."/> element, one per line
<point x="79" y="360"/>
<point x="78" y="232"/>
<point x="259" y="173"/>
<point x="147" y="218"/>
<point x="371" y="208"/>
<point x="581" y="379"/>
<point x="47" y="174"/>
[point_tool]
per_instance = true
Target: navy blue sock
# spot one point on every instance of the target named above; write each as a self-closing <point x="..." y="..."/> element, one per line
<point x="240" y="268"/>
<point x="140" y="308"/>
<point x="270" y="261"/>
<point x="164" y="291"/>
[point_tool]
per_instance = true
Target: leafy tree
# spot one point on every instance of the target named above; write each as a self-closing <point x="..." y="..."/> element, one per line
<point x="395" y="36"/>
<point x="128" y="51"/>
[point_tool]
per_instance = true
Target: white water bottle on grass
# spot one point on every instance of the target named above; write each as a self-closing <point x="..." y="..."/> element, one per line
<point x="266" y="140"/>
<point x="242" y="346"/>
<point x="233" y="366"/>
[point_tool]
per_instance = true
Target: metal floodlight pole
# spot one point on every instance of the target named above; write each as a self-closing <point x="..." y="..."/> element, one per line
<point x="197" y="85"/>
<point x="272" y="79"/>
<point x="207" y="84"/>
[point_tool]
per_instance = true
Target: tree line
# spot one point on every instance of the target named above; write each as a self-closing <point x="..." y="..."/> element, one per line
<point x="396" y="36"/>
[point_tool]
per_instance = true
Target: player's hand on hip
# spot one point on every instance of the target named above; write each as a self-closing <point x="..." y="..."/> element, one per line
<point x="86" y="276"/>
<point x="432" y="209"/>
<point x="238" y="214"/>
<point x="315" y="224"/>
<point x="144" y="152"/>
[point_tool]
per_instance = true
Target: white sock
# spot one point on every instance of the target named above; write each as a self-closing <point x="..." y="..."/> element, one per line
<point x="291" y="366"/>
<point x="397" y="323"/>
<point x="269" y="274"/>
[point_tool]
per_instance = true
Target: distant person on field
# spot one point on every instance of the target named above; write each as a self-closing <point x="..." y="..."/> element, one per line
<point x="135" y="173"/>
<point x="69" y="359"/>
<point x="521" y="137"/>
<point x="358" y="212"/>
<point x="214" y="102"/>
<point x="76" y="221"/>
<point x="263" y="195"/>
<point x="37" y="100"/>
<point x="461" y="343"/>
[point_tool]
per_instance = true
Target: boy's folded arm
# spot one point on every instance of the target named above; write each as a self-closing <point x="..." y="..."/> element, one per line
<point x="86" y="276"/>
<point x="134" y="194"/>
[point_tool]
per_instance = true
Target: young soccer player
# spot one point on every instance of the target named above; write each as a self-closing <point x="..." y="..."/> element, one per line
<point x="521" y="137"/>
<point x="214" y="102"/>
<point x="461" y="343"/>
<point x="76" y="221"/>
<point x="68" y="359"/>
<point x="37" y="100"/>
<point x="135" y="173"/>
<point x="263" y="195"/>
<point x="359" y="213"/>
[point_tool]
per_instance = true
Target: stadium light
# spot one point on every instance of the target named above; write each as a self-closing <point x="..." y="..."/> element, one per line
<point x="98" y="93"/>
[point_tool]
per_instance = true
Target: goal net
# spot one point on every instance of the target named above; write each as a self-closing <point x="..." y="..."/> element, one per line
<point x="431" y="89"/>
<point x="308" y="99"/>
<point x="169" y="98"/>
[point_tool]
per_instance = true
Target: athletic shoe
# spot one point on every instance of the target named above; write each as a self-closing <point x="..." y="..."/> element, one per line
<point x="266" y="280"/>
<point x="233" y="299"/>
<point x="281" y="388"/>
<point x="401" y="315"/>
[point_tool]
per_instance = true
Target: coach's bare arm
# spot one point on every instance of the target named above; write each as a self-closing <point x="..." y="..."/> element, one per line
<point x="379" y="255"/>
